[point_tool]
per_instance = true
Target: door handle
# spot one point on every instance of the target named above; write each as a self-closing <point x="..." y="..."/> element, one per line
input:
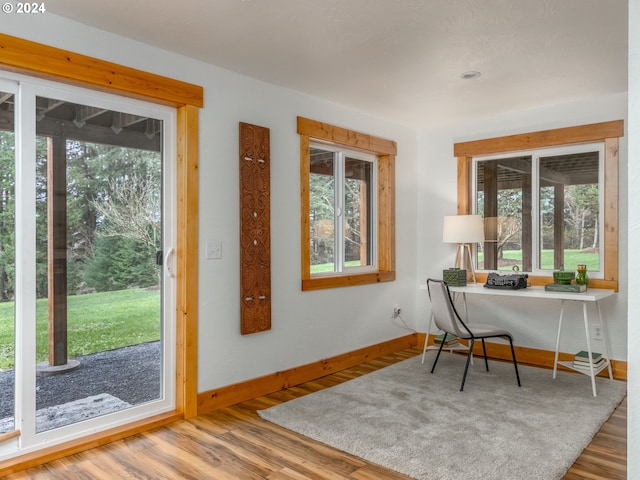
<point x="167" y="263"/>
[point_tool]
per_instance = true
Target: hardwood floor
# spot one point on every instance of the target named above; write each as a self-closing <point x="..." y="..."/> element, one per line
<point x="234" y="443"/>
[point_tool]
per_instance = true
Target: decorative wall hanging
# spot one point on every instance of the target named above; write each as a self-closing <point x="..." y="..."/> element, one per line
<point x="255" y="229"/>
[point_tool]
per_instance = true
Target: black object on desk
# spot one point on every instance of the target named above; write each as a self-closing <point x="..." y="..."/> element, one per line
<point x="511" y="281"/>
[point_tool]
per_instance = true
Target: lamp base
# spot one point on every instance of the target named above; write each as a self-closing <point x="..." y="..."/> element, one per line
<point x="464" y="256"/>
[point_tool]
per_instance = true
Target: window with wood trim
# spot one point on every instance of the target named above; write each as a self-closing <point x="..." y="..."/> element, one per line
<point x="549" y="199"/>
<point x="347" y="196"/>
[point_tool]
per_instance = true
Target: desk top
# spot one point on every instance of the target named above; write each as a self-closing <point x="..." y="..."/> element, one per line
<point x="591" y="295"/>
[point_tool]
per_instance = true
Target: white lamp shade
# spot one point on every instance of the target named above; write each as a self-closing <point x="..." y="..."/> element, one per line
<point x="463" y="229"/>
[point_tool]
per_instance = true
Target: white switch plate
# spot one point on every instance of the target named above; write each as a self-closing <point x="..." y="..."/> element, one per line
<point x="214" y="249"/>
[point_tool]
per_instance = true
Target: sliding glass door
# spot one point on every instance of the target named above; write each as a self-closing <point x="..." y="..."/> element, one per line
<point x="7" y="257"/>
<point x="94" y="294"/>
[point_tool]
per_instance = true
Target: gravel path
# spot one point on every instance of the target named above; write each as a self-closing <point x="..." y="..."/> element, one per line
<point x="131" y="374"/>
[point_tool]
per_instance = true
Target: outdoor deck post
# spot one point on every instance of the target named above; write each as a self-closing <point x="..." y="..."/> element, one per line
<point x="57" y="249"/>
<point x="558" y="226"/>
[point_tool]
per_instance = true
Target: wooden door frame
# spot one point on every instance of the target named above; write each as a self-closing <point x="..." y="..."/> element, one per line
<point x="42" y="61"/>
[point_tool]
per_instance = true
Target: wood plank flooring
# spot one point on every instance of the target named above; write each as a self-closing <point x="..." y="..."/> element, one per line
<point x="234" y="443"/>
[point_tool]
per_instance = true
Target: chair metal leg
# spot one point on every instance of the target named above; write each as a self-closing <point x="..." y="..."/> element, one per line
<point x="484" y="350"/>
<point x="515" y="364"/>
<point x="439" y="351"/>
<point x="466" y="367"/>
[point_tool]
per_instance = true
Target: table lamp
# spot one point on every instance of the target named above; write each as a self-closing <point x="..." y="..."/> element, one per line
<point x="463" y="230"/>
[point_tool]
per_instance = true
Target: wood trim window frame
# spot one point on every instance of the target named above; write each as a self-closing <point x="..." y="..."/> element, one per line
<point x="385" y="151"/>
<point x="62" y="66"/>
<point x="606" y="132"/>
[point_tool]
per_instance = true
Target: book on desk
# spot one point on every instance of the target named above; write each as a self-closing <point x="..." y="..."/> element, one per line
<point x="558" y="287"/>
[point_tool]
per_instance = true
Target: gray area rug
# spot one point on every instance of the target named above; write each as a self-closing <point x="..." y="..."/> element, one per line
<point x="420" y="424"/>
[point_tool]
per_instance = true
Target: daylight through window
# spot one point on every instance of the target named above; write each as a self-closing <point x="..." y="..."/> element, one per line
<point x="342" y="209"/>
<point x="542" y="209"/>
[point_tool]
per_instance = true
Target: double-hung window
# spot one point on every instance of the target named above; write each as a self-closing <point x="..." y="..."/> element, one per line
<point x="343" y="210"/>
<point x="347" y="198"/>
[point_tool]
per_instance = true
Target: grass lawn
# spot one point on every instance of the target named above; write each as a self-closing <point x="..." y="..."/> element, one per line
<point x="571" y="259"/>
<point x="328" y="267"/>
<point x="96" y="322"/>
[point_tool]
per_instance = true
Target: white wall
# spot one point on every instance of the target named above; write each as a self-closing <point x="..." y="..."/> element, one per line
<point x="533" y="323"/>
<point x="306" y="326"/>
<point x="633" y="387"/>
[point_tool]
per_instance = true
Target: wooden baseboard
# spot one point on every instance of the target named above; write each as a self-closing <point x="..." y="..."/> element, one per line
<point x="240" y="392"/>
<point x="56" y="452"/>
<point x="537" y="358"/>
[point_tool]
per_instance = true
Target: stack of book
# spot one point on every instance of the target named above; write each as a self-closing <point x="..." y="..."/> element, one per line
<point x="558" y="287"/>
<point x="451" y="341"/>
<point x="581" y="360"/>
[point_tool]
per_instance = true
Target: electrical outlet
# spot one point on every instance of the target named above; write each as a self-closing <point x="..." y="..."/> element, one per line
<point x="396" y="311"/>
<point x="596" y="331"/>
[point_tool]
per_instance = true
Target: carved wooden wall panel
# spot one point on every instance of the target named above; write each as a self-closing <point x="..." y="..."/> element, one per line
<point x="255" y="229"/>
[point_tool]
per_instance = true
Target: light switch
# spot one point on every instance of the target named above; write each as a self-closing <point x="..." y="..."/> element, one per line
<point x="214" y="249"/>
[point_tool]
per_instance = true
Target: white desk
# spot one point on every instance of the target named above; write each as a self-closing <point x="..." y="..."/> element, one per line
<point x="592" y="295"/>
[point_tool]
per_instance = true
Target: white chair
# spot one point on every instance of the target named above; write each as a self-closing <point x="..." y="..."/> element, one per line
<point x="447" y="319"/>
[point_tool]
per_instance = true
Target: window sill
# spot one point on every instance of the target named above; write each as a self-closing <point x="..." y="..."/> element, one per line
<point x="319" y="283"/>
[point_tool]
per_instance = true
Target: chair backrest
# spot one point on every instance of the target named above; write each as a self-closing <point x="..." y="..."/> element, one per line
<point x="445" y="315"/>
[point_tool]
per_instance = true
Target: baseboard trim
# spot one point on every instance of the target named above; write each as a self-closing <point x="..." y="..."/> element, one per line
<point x="538" y="358"/>
<point x="243" y="391"/>
<point x="56" y="452"/>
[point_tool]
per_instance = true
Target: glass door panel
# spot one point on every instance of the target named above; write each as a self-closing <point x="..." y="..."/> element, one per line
<point x="87" y="310"/>
<point x="98" y="281"/>
<point x="7" y="262"/>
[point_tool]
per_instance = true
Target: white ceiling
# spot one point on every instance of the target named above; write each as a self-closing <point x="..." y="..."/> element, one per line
<point x="397" y="59"/>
